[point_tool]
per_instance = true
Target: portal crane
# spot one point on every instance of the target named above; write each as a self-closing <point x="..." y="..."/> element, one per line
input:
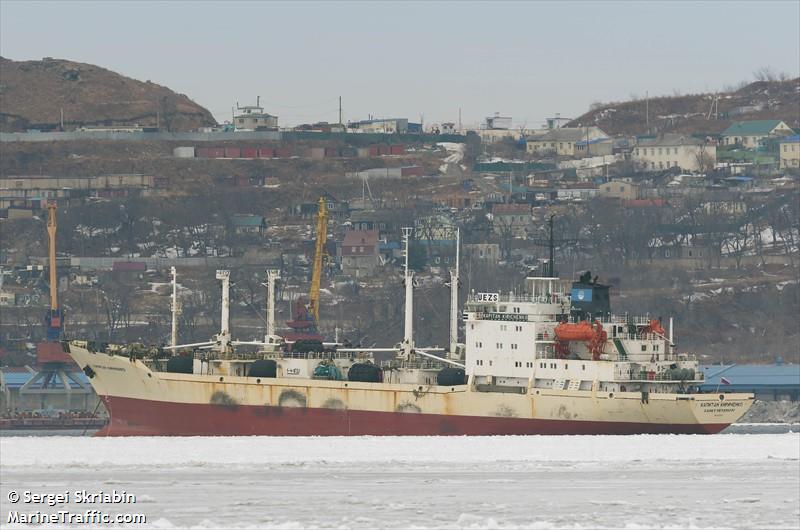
<point x="54" y="319"/>
<point x="319" y="252"/>
<point x="305" y="325"/>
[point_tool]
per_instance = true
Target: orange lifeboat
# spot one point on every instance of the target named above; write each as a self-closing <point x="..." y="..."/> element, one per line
<point x="569" y="332"/>
<point x="654" y="327"/>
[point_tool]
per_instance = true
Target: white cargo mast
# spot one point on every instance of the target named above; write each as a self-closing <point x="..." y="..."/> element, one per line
<point x="454" y="280"/>
<point x="272" y="277"/>
<point x="224" y="337"/>
<point x="408" y="279"/>
<point x="175" y="308"/>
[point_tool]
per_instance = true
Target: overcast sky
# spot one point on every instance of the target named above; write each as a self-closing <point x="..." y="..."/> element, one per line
<point x="525" y="60"/>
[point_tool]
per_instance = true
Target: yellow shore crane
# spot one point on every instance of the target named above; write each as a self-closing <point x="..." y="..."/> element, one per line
<point x="319" y="254"/>
<point x="55" y="316"/>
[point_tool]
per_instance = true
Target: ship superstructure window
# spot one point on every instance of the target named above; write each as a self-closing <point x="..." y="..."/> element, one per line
<point x="644" y="347"/>
<point x="514" y="347"/>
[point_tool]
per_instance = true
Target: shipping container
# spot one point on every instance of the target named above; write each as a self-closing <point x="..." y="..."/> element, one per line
<point x="398" y="149"/>
<point x="233" y="152"/>
<point x="249" y="152"/>
<point x="374" y="151"/>
<point x="331" y="152"/>
<point x="384" y="150"/>
<point x="266" y="152"/>
<point x="412" y="171"/>
<point x="363" y="152"/>
<point x="183" y="152"/>
<point x="216" y="152"/>
<point x="202" y="152"/>
<point x="348" y="152"/>
<point x="283" y="152"/>
<point x="317" y="153"/>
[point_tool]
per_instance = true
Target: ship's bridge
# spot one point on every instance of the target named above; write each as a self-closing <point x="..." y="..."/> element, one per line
<point x="545" y="299"/>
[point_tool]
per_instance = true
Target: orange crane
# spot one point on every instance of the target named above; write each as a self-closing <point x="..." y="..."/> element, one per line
<point x="55" y="316"/>
<point x="306" y="317"/>
<point x="319" y="253"/>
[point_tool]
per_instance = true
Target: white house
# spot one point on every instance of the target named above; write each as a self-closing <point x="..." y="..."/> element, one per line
<point x="674" y="151"/>
<point x="749" y="134"/>
<point x="563" y="141"/>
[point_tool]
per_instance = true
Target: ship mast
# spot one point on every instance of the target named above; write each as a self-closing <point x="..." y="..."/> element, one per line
<point x="224" y="337"/>
<point x="408" y="280"/>
<point x="272" y="277"/>
<point x="454" y="280"/>
<point x="175" y="309"/>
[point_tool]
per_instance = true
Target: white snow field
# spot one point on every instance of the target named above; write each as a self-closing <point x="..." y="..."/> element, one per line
<point x="572" y="482"/>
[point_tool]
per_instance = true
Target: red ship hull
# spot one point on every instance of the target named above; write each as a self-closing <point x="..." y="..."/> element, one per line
<point x="135" y="417"/>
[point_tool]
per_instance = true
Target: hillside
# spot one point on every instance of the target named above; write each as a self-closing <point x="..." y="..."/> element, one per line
<point x="32" y="94"/>
<point x="688" y="113"/>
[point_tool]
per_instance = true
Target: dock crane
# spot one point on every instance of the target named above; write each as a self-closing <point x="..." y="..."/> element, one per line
<point x="319" y="252"/>
<point x="306" y="316"/>
<point x="54" y="319"/>
<point x="54" y="366"/>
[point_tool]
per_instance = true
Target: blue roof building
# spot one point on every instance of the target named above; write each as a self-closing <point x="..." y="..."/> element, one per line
<point x="767" y="381"/>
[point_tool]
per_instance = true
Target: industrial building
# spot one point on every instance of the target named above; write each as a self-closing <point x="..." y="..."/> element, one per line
<point x="769" y="382"/>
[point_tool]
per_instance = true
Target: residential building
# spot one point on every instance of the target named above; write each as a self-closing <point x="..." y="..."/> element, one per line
<point x="619" y="189"/>
<point x="498" y="122"/>
<point x="750" y="134"/>
<point x="562" y="142"/>
<point x="580" y="190"/>
<point x="674" y="151"/>
<point x="360" y="252"/>
<point x="596" y="147"/>
<point x="253" y="118"/>
<point x="384" y="126"/>
<point x="514" y="219"/>
<point x="488" y="253"/>
<point x="248" y="224"/>
<point x="790" y="152"/>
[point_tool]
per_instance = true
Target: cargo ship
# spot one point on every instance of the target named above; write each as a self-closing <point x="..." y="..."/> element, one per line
<point x="552" y="359"/>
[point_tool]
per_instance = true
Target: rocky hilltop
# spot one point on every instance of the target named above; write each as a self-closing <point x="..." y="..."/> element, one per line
<point x="33" y="93"/>
<point x="709" y="113"/>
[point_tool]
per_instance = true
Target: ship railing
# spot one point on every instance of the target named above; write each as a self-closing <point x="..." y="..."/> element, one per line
<point x="553" y="298"/>
<point x="319" y="355"/>
<point x="418" y="365"/>
<point x="625" y="319"/>
<point x="659" y="377"/>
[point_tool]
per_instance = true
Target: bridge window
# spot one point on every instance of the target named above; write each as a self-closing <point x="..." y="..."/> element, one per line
<point x="644" y="347"/>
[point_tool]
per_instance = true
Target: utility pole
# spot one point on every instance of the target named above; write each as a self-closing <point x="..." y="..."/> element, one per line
<point x="62" y="118"/>
<point x="647" y="110"/>
<point x="459" y="120"/>
<point x="340" y="110"/>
